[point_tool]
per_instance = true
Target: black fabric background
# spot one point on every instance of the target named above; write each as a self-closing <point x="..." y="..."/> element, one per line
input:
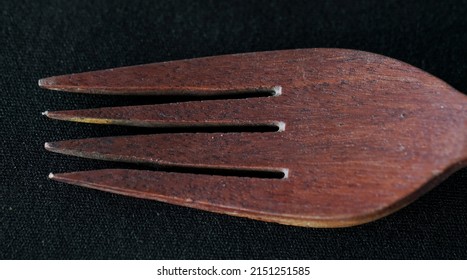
<point x="40" y="218"/>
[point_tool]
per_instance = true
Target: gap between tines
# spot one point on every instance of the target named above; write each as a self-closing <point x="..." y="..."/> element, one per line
<point x="278" y="174"/>
<point x="130" y="99"/>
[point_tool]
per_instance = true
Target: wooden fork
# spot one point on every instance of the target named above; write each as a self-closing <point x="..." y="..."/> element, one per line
<point x="351" y="136"/>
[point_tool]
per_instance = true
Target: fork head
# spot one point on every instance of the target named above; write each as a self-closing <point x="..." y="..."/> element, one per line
<point x="353" y="136"/>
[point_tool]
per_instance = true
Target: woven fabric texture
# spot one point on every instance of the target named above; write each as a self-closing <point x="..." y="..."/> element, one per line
<point x="43" y="219"/>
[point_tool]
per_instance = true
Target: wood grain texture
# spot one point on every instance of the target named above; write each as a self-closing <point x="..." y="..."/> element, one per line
<point x="361" y="135"/>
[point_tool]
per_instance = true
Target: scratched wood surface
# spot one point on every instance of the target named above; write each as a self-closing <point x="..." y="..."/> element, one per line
<point x="359" y="135"/>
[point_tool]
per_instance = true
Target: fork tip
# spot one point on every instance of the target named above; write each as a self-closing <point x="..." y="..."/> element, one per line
<point x="42" y="82"/>
<point x="48" y="83"/>
<point x="47" y="146"/>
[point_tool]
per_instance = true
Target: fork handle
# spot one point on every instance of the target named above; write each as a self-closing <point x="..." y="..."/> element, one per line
<point x="463" y="116"/>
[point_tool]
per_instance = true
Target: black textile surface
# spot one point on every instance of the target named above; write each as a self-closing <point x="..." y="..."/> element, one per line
<point x="40" y="218"/>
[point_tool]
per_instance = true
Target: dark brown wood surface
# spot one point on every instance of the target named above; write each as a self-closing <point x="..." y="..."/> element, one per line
<point x="359" y="135"/>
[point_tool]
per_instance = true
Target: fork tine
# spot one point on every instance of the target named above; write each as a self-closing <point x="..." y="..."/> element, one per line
<point x="263" y="199"/>
<point x="233" y="151"/>
<point x="256" y="198"/>
<point x="186" y="114"/>
<point x="184" y="77"/>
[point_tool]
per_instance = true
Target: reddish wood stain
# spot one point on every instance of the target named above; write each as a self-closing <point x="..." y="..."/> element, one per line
<point x="362" y="135"/>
